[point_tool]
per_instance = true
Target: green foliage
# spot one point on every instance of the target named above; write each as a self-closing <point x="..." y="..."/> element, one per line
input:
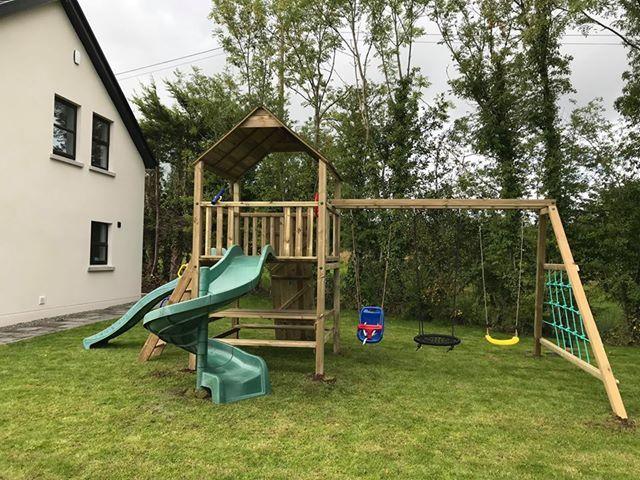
<point x="387" y="141"/>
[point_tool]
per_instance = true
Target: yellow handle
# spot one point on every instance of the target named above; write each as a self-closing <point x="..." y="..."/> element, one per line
<point x="181" y="270"/>
<point x="503" y="343"/>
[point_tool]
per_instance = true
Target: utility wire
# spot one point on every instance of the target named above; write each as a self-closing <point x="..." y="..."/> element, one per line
<point x="168" y="61"/>
<point x="191" y="62"/>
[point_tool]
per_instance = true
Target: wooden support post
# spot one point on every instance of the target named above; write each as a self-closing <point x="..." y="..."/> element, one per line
<point x="196" y="243"/>
<point x="272" y="233"/>
<point x="287" y="232"/>
<point x="236" y="233"/>
<point x="321" y="248"/>
<point x="230" y="230"/>
<point x="299" y="232"/>
<point x="254" y="236"/>
<point x="310" y="232"/>
<point x="207" y="229"/>
<point x="219" y="229"/>
<point x="263" y="232"/>
<point x="236" y="212"/>
<point x="336" y="277"/>
<point x="590" y="326"/>
<point x="245" y="235"/>
<point x="540" y="262"/>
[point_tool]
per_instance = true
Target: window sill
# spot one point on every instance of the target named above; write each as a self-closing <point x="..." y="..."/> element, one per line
<point x="101" y="268"/>
<point x="68" y="161"/>
<point x="109" y="173"/>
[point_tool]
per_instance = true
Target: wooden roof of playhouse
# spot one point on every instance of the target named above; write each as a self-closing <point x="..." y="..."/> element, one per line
<point x="250" y="141"/>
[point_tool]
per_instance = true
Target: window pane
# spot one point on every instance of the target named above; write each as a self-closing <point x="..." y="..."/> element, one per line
<point x="64" y="115"/>
<point x="99" y="243"/>
<point x="100" y="129"/>
<point x="98" y="232"/>
<point x="63" y="142"/>
<point x="99" y="156"/>
<point x="98" y="254"/>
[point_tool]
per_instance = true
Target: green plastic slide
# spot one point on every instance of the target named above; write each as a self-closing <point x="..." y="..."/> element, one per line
<point x="134" y="315"/>
<point x="229" y="373"/>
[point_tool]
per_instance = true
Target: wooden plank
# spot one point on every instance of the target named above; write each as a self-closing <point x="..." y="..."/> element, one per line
<point x="219" y="230"/>
<point x="587" y="367"/>
<point x="209" y="259"/>
<point x="310" y="232"/>
<point x="207" y="229"/>
<point x="263" y="232"/>
<point x="266" y="326"/>
<point x="336" y="277"/>
<point x="281" y="237"/>
<point x="226" y="333"/>
<point x="541" y="253"/>
<point x="272" y="232"/>
<point x="254" y="236"/>
<point x="299" y="232"/>
<point x="281" y="204"/>
<point x="321" y="249"/>
<point x="252" y="342"/>
<point x="443" y="203"/>
<point x="261" y="121"/>
<point x="557" y="266"/>
<point x="230" y="230"/>
<point x="287" y="232"/>
<point x="265" y="314"/>
<point x="610" y="385"/>
<point x="245" y="226"/>
<point x="236" y="212"/>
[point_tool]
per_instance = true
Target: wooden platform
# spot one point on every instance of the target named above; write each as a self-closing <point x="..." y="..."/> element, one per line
<point x="266" y="314"/>
<point x="254" y="342"/>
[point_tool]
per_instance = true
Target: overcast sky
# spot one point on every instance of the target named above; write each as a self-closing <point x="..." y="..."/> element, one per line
<point x="135" y="33"/>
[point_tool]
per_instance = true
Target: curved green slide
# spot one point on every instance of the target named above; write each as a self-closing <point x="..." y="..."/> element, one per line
<point x="133" y="316"/>
<point x="230" y="373"/>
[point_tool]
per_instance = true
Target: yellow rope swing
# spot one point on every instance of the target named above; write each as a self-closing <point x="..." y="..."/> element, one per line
<point x="507" y="342"/>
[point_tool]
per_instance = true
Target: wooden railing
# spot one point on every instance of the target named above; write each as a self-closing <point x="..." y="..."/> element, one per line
<point x="289" y="227"/>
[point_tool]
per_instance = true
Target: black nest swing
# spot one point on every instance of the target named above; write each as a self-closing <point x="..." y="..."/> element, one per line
<point x="434" y="339"/>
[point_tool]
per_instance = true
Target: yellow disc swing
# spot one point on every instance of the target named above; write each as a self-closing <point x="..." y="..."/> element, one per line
<point x="507" y="342"/>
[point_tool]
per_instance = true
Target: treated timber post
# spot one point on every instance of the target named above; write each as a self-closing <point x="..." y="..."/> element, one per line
<point x="321" y="269"/>
<point x="236" y="236"/>
<point x="196" y="244"/>
<point x="541" y="253"/>
<point x="590" y="326"/>
<point x="336" y="277"/>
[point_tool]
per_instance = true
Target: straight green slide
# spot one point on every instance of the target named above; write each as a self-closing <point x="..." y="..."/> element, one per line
<point x="134" y="315"/>
<point x="229" y="373"/>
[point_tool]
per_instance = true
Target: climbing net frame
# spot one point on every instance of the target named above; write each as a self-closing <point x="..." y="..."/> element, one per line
<point x="562" y="305"/>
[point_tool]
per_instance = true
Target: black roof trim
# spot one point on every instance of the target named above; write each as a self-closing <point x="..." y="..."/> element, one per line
<point x="91" y="45"/>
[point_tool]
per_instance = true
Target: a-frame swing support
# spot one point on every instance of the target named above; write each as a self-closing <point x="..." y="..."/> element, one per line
<point x="547" y="213"/>
<point x="307" y="233"/>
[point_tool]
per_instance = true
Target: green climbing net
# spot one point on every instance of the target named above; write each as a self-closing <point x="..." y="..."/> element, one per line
<point x="564" y="317"/>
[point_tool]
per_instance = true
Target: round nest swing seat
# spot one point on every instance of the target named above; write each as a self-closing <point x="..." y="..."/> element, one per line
<point x="436" y="340"/>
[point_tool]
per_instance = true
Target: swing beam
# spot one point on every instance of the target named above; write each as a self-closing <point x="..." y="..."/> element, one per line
<point x="547" y="214"/>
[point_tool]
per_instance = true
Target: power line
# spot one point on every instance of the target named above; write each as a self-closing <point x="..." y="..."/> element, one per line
<point x="168" y="61"/>
<point x="171" y="66"/>
<point x="429" y="42"/>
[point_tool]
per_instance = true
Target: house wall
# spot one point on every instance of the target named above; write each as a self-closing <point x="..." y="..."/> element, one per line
<point x="46" y="206"/>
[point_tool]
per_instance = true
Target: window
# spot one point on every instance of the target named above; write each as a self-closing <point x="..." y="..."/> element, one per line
<point x="64" y="128"/>
<point x="100" y="142"/>
<point x="99" y="243"/>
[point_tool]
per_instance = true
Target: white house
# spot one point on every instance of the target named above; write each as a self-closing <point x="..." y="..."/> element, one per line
<point x="72" y="168"/>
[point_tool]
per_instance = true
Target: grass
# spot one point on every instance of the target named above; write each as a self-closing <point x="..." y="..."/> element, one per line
<point x="477" y="412"/>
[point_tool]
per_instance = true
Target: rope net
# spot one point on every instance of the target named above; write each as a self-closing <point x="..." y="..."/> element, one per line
<point x="563" y="316"/>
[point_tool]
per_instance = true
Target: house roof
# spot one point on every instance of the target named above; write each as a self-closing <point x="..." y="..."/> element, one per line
<point x="250" y="141"/>
<point x="91" y="45"/>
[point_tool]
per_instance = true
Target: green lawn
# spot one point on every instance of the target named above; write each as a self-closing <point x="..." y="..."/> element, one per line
<point x="477" y="412"/>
